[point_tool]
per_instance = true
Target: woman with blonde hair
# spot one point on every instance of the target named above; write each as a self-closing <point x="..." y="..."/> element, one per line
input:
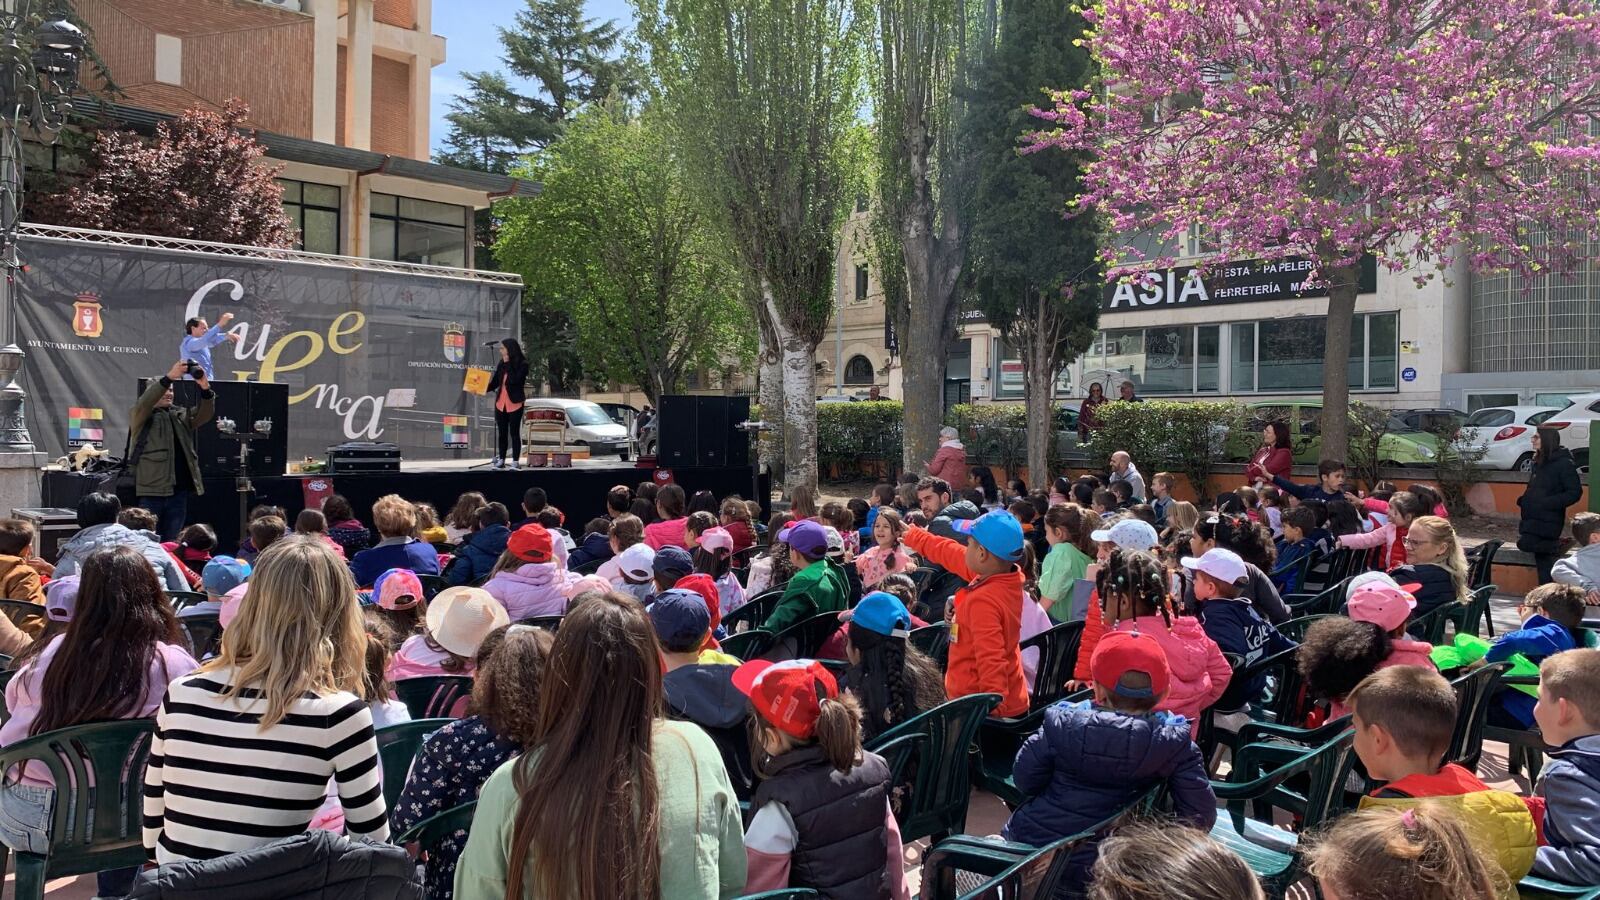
<point x="1434" y="560"/>
<point x="245" y="746"/>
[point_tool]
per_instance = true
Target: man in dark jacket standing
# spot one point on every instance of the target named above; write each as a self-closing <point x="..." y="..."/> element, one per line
<point x="1552" y="488"/>
<point x="166" y="468"/>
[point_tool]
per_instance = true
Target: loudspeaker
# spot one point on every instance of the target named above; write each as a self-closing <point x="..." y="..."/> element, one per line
<point x="244" y="402"/>
<point x="702" y="431"/>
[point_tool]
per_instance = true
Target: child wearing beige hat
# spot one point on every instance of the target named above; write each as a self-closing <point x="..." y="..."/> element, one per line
<point x="457" y="621"/>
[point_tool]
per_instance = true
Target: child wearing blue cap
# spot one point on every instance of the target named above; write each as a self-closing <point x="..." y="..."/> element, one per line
<point x="986" y="615"/>
<point x="893" y="680"/>
<point x="220" y="575"/>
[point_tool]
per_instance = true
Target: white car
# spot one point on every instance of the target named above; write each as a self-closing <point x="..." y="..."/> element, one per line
<point x="587" y="425"/>
<point x="1506" y="434"/>
<point x="1573" y="425"/>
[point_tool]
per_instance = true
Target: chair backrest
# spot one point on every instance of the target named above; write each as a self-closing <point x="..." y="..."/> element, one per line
<point x="432" y="696"/>
<point x="748" y="645"/>
<point x="1058" y="653"/>
<point x="204" y="632"/>
<point x="898" y="753"/>
<point x="588" y="568"/>
<point x="397" y="747"/>
<point x="1474" y="692"/>
<point x="182" y="600"/>
<point x="755" y="611"/>
<point x="548" y="623"/>
<point x="431" y="585"/>
<point x="937" y="800"/>
<point x="99" y="766"/>
<point x="430" y="831"/>
<point x="803" y="640"/>
<point x="1431" y="625"/>
<point x="23" y="613"/>
<point x="1477" y="609"/>
<point x="1481" y="569"/>
<point x="934" y="641"/>
<point x="1281" y="696"/>
<point x="1295" y="629"/>
<point x="1261" y="771"/>
<point x="1325" y="601"/>
<point x="5" y="679"/>
<point x="742" y="559"/>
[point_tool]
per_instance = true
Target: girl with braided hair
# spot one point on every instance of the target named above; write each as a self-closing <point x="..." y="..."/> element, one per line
<point x="1133" y="587"/>
<point x="892" y="679"/>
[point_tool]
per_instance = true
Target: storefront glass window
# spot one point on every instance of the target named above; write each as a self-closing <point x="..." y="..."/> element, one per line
<point x="1208" y="359"/>
<point x="1242" y="359"/>
<point x="1168" y="360"/>
<point x="1383" y="331"/>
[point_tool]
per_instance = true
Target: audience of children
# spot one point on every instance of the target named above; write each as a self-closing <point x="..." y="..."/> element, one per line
<point x="1147" y="862"/>
<point x="476" y="554"/>
<point x="714" y="557"/>
<point x="1421" y="853"/>
<point x="528" y="580"/>
<point x="668" y="530"/>
<point x="343" y="526"/>
<point x="1217" y="581"/>
<point x="221" y="575"/>
<point x="312" y="522"/>
<point x="698" y="685"/>
<point x="18" y="579"/>
<point x="594" y="547"/>
<point x="891" y="679"/>
<point x="817" y="585"/>
<point x="456" y="621"/>
<point x="396" y="520"/>
<point x="463" y="517"/>
<point x="1567" y="712"/>
<point x="1247" y="542"/>
<point x="428" y="527"/>
<point x="1339" y="652"/>
<point x="635" y="571"/>
<point x="1067" y="529"/>
<point x="886" y="554"/>
<point x="1296" y="545"/>
<point x="1552" y="622"/>
<point x="1581" y="568"/>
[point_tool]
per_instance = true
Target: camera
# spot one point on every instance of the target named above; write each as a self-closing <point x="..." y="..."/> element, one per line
<point x="193" y="369"/>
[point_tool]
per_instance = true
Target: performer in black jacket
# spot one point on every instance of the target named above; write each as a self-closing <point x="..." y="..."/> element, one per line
<point x="507" y="388"/>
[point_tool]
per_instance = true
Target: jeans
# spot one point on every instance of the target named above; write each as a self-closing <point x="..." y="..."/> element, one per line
<point x="171" y="513"/>
<point x="508" y="429"/>
<point x="25" y="811"/>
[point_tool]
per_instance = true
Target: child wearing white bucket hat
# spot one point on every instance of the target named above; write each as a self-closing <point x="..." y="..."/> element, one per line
<point x="457" y="621"/>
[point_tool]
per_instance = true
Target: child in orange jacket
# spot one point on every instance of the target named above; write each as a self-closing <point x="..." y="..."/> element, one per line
<point x="986" y="615"/>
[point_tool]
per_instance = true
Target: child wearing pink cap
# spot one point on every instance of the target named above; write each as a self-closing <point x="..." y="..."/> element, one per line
<point x="401" y="603"/>
<point x="714" y="557"/>
<point x="1339" y="652"/>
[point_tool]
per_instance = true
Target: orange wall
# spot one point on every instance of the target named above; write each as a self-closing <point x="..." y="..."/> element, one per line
<point x="391" y="107"/>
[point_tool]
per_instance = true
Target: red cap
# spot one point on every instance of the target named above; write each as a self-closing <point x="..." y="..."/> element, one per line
<point x="531" y="543"/>
<point x="702" y="584"/>
<point x="787" y="694"/>
<point x="1121" y="652"/>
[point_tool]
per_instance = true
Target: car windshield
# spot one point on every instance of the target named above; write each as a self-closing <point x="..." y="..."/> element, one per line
<point x="587" y="414"/>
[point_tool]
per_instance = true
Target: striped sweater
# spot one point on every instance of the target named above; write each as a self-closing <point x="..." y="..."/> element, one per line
<point x="217" y="784"/>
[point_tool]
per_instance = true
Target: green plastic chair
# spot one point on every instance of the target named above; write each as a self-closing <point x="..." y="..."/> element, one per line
<point x="1474" y="692"/>
<point x="397" y="747"/>
<point x="5" y="679"/>
<point x="430" y="832"/>
<point x="1525" y="747"/>
<point x="431" y="585"/>
<point x="934" y="641"/>
<point x="1469" y="618"/>
<point x="204" y="633"/>
<point x="432" y="696"/>
<point x="79" y="760"/>
<point x="936" y="802"/>
<point x="1259" y="776"/>
<point x="1532" y="888"/>
<point x="804" y="640"/>
<point x="1000" y="739"/>
<point x="755" y="611"/>
<point x="748" y="645"/>
<point x="1430" y="627"/>
<point x="1295" y="629"/>
<point x="782" y="894"/>
<point x="182" y="600"/>
<point x="551" y="624"/>
<point x="998" y="742"/>
<point x="1321" y="602"/>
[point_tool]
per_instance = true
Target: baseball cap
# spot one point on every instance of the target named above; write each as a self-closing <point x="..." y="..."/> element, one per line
<point x="806" y="538"/>
<point x="61" y="598"/>
<point x="997" y="531"/>
<point x="1384" y="605"/>
<point x="1122" y="652"/>
<point x="716" y="538"/>
<point x="672" y="559"/>
<point x="702" y="584"/>
<point x="1383" y="578"/>
<point x="637" y="561"/>
<point x="882" y="612"/>
<point x="532" y="543"/>
<point x="1129" y="534"/>
<point x="230" y="605"/>
<point x="788" y="694"/>
<point x="835" y="540"/>
<point x="1223" y="565"/>
<point x="224" y="573"/>
<point x="459" y="618"/>
<point x="681" y="619"/>
<point x="394" y="586"/>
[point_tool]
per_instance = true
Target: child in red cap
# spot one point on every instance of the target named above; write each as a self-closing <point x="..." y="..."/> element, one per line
<point x="822" y="818"/>
<point x="1091" y="759"/>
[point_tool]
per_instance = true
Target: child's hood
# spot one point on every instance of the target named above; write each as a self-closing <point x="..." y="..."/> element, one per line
<point x="706" y="696"/>
<point x="1583" y="752"/>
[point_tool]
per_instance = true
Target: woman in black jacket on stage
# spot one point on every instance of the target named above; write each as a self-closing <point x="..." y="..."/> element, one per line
<point x="1552" y="488"/>
<point x="506" y="386"/>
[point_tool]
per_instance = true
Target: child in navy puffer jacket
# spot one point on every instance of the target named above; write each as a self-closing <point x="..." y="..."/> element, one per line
<point x="1090" y="760"/>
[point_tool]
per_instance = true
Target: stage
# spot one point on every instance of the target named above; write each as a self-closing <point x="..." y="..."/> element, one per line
<point x="579" y="492"/>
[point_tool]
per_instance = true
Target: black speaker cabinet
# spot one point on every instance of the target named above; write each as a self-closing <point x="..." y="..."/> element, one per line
<point x="244" y="402"/>
<point x="703" y="431"/>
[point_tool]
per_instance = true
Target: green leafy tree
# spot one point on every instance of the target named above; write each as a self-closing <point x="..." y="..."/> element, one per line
<point x="621" y="243"/>
<point x="1033" y="270"/>
<point x="764" y="94"/>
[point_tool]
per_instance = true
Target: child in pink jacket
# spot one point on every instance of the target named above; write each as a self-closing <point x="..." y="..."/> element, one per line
<point x="1401" y="509"/>
<point x="1134" y="591"/>
<point x="530" y="579"/>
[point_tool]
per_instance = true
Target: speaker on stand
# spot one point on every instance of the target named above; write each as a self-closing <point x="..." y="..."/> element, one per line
<point x="696" y="430"/>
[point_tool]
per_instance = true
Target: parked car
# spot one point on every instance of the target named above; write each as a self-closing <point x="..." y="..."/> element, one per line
<point x="1402" y="446"/>
<point x="620" y="413"/>
<point x="1506" y="434"/>
<point x="587" y="426"/>
<point x="1433" y="421"/>
<point x="1573" y="424"/>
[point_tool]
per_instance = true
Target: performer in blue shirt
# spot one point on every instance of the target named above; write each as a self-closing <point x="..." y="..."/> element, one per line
<point x="198" y="341"/>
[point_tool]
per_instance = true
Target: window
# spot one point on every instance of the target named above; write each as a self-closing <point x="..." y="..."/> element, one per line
<point x="858" y="371"/>
<point x="314" y="209"/>
<point x="1476" y="402"/>
<point x="862" y="281"/>
<point x="1288" y="353"/>
<point x="1168" y="359"/>
<point x="405" y="229"/>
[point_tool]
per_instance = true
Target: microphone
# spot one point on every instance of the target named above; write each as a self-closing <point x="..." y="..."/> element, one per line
<point x="490" y="343"/>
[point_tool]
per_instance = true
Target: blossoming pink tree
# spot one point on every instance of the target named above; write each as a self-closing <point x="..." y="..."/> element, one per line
<point x="1424" y="132"/>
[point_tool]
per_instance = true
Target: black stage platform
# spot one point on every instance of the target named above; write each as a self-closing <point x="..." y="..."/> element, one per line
<point x="579" y="492"/>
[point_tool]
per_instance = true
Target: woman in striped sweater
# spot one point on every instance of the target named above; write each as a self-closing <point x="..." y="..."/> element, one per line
<point x="244" y="747"/>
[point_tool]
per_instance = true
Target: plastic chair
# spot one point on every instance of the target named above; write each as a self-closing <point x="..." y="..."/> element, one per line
<point x="1525" y="747"/>
<point x="934" y="641"/>
<point x="803" y="640"/>
<point x="1430" y="627"/>
<point x="743" y="558"/>
<point x="1469" y="618"/>
<point x="5" y="679"/>
<point x="431" y="585"/>
<point x="430" y="831"/>
<point x="755" y="611"/>
<point x="432" y="696"/>
<point x="182" y="600"/>
<point x="25" y="615"/>
<point x="1300" y="568"/>
<point x="397" y="747"/>
<point x="1322" y="602"/>
<point x="1480" y="568"/>
<point x="936" y="804"/>
<point x="1058" y="654"/>
<point x="748" y="645"/>
<point x="444" y="547"/>
<point x="548" y="623"/>
<point x="1295" y="629"/>
<point x="898" y="754"/>
<point x="79" y="760"/>
<point x="1260" y="772"/>
<point x="998" y="742"/>
<point x="782" y="894"/>
<point x="1533" y="888"/>
<point x="204" y="633"/>
<point x="588" y="568"/>
<point x="1474" y="692"/>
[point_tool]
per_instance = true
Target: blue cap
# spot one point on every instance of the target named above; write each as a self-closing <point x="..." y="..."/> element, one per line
<point x="673" y="559"/>
<point x="882" y="612"/>
<point x="224" y="573"/>
<point x="681" y="619"/>
<point x="998" y="532"/>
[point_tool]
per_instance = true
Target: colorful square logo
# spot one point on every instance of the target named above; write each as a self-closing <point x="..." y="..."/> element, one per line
<point x="456" y="432"/>
<point x="85" y="425"/>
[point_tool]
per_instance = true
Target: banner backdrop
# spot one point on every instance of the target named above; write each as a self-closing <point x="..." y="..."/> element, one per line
<point x="349" y="343"/>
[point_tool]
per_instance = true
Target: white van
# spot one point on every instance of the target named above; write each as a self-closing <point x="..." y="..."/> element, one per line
<point x="587" y="426"/>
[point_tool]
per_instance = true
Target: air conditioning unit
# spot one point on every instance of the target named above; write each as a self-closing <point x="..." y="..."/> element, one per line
<point x="291" y="5"/>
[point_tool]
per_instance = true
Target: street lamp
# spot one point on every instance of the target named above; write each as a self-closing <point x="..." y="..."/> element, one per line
<point x="40" y="52"/>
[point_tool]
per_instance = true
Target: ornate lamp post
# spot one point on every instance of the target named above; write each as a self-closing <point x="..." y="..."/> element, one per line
<point x="39" y="55"/>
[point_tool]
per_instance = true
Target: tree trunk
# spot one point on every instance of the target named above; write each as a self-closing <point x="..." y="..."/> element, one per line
<point x="1336" y="363"/>
<point x="800" y="414"/>
<point x="771" y="394"/>
<point x="924" y="350"/>
<point x="1039" y="386"/>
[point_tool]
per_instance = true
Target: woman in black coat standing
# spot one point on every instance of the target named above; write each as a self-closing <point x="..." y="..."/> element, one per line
<point x="1553" y="487"/>
<point x="506" y="386"/>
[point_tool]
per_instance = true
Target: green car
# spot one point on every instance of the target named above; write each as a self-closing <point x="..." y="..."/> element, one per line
<point x="1402" y="446"/>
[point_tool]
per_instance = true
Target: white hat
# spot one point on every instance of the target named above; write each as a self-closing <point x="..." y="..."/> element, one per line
<point x="1223" y="565"/>
<point x="835" y="540"/>
<point x="1382" y="578"/>
<point x="1129" y="534"/>
<point x="637" y="562"/>
<point x="459" y="618"/>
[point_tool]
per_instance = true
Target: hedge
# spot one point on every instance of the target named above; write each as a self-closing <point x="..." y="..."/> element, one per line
<point x="1167" y="435"/>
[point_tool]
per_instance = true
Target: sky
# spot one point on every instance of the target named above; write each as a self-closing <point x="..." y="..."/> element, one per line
<point x="472" y="44"/>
